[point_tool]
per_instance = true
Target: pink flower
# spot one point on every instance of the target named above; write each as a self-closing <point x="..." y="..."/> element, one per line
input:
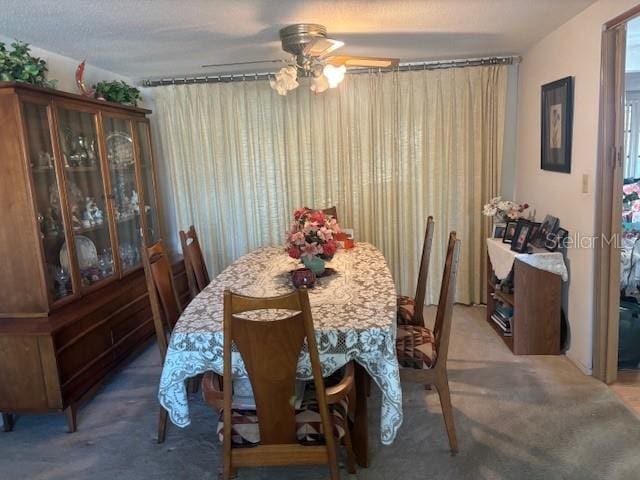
<point x="297" y="238"/>
<point x="299" y="212"/>
<point x="635" y="206"/>
<point x="325" y="234"/>
<point x="311" y="250"/>
<point x="294" y="252"/>
<point x="310" y="227"/>
<point x="330" y="248"/>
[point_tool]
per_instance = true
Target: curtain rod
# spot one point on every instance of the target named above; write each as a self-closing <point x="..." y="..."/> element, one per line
<point x="403" y="67"/>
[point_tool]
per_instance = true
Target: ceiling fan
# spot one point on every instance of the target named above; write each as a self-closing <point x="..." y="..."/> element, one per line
<point x="312" y="55"/>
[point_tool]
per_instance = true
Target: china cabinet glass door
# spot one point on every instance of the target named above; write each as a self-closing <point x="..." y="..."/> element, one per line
<point x="85" y="197"/>
<point x="151" y="225"/>
<point x="46" y="194"/>
<point x="125" y="193"/>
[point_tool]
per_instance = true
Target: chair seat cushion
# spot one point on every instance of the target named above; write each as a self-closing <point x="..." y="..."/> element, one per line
<point x="406" y="311"/>
<point x="245" y="431"/>
<point x="415" y="347"/>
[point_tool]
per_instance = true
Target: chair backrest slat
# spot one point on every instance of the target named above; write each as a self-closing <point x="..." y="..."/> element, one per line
<point x="165" y="306"/>
<point x="333" y="211"/>
<point x="270" y="350"/>
<point x="423" y="274"/>
<point x="444" y="314"/>
<point x="197" y="274"/>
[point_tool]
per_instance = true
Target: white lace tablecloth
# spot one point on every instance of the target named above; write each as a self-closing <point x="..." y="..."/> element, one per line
<point x="354" y="312"/>
<point x="502" y="258"/>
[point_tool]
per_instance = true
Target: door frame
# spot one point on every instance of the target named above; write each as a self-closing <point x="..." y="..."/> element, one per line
<point x="608" y="205"/>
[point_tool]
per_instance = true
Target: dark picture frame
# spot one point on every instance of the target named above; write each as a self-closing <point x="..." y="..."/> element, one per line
<point x="520" y="240"/>
<point x="549" y="225"/>
<point x="498" y="231"/>
<point x="557" y="125"/>
<point x="535" y="231"/>
<point x="509" y="232"/>
<point x="556" y="239"/>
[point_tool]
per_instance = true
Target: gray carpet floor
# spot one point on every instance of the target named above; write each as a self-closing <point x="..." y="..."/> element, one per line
<point x="516" y="418"/>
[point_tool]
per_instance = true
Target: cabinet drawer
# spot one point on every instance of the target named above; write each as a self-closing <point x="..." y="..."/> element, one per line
<point x="84" y="351"/>
<point x="138" y="313"/>
<point x="130" y="292"/>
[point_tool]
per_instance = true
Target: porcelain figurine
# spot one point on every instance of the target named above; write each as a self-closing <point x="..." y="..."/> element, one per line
<point x="75" y="220"/>
<point x="88" y="211"/>
<point x="135" y="205"/>
<point x="51" y="222"/>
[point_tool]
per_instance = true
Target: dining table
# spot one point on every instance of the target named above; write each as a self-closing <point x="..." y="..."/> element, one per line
<point x="354" y="314"/>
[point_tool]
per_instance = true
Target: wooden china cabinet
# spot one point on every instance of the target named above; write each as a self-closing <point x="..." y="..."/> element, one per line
<point x="78" y="199"/>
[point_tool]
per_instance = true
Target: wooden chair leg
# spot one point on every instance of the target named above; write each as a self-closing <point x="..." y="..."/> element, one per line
<point x="162" y="425"/>
<point x="447" y="412"/>
<point x="333" y="462"/>
<point x="8" y="422"/>
<point x="351" y="457"/>
<point x="72" y="422"/>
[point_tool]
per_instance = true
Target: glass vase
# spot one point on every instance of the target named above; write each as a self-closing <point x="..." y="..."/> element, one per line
<point x="315" y="264"/>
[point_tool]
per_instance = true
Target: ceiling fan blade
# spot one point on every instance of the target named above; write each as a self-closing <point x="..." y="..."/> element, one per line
<point x="363" y="62"/>
<point x="322" y="47"/>
<point x="213" y="65"/>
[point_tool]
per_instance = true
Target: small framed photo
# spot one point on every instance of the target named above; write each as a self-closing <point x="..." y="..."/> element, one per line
<point x="548" y="226"/>
<point x="521" y="237"/>
<point x="557" y="125"/>
<point x="556" y="239"/>
<point x="498" y="231"/>
<point x="535" y="230"/>
<point x="509" y="232"/>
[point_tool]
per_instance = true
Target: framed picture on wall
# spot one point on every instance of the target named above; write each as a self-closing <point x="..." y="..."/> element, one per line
<point x="557" y="125"/>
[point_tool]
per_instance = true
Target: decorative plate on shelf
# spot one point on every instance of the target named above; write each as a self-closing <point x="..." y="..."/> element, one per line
<point x="85" y="250"/>
<point x="119" y="149"/>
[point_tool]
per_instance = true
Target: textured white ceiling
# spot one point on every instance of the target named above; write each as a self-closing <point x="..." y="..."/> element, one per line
<point x="151" y="38"/>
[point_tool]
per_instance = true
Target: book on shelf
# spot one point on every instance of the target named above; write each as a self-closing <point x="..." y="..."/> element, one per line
<point x="503" y="323"/>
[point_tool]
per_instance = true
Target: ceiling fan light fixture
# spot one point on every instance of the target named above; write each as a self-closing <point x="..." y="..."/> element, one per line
<point x="319" y="84"/>
<point x="285" y="80"/>
<point x="334" y="74"/>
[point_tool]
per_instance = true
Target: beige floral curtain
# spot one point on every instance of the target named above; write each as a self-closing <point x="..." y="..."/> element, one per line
<point x="389" y="149"/>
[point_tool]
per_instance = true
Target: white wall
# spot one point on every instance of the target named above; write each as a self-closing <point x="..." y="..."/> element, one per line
<point x="63" y="69"/>
<point x="571" y="50"/>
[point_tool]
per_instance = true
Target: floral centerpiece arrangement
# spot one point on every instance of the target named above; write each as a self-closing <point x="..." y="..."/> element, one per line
<point x="504" y="210"/>
<point x="311" y="238"/>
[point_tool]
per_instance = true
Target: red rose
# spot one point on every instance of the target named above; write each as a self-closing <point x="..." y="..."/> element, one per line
<point x="294" y="252"/>
<point x="317" y="217"/>
<point x="299" y="212"/>
<point x="330" y="247"/>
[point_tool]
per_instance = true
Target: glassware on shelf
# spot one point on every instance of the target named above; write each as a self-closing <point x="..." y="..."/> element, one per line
<point x="61" y="277"/>
<point x="105" y="262"/>
<point x="85" y="190"/>
<point x="44" y="176"/>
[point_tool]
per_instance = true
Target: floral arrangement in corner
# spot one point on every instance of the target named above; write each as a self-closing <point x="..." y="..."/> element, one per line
<point x="504" y="210"/>
<point x="311" y="238"/>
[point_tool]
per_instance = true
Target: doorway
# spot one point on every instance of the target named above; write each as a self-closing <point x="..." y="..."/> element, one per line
<point x="617" y="337"/>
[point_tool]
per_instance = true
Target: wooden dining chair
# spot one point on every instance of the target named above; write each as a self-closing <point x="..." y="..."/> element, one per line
<point x="422" y="353"/>
<point x="197" y="275"/>
<point x="411" y="310"/>
<point x="278" y="433"/>
<point x="165" y="306"/>
<point x="333" y="211"/>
